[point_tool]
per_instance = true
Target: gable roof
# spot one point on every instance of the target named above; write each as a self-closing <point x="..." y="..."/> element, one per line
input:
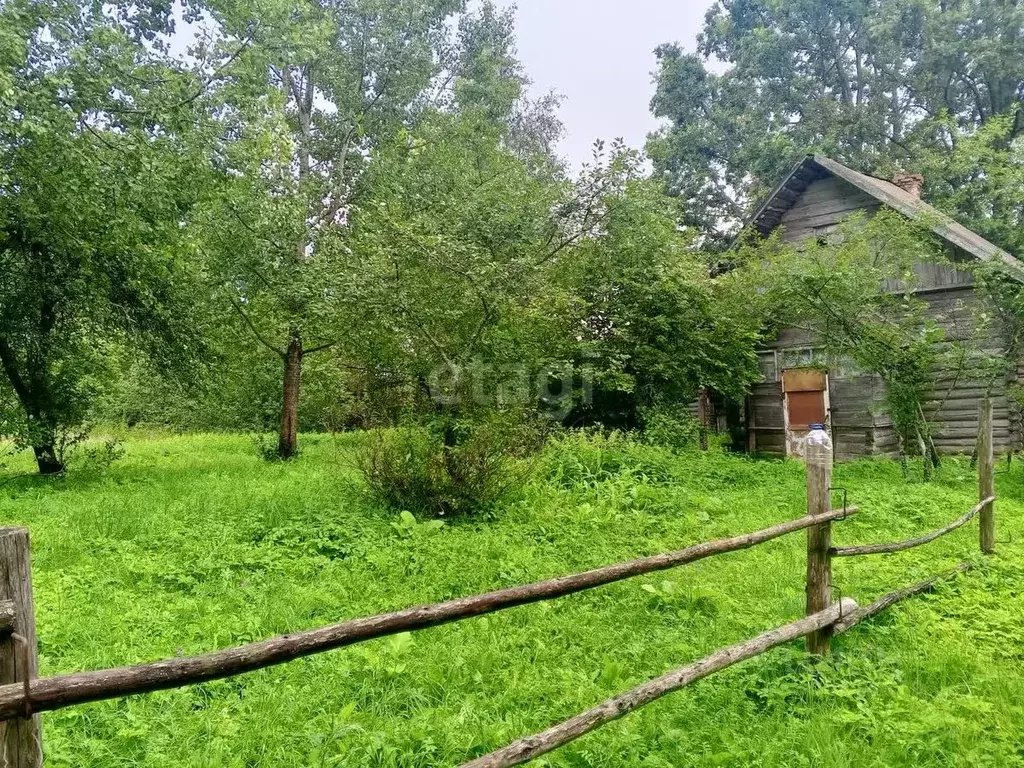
<point x="816" y="167"/>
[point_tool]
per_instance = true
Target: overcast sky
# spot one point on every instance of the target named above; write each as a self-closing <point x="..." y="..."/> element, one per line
<point x="599" y="55"/>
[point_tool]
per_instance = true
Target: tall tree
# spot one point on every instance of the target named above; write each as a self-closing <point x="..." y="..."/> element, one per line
<point x="875" y="83"/>
<point x="652" y="326"/>
<point x="315" y="90"/>
<point x="471" y="211"/>
<point x="97" y="173"/>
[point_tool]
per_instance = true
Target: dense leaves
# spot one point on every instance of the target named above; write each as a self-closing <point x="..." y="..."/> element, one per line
<point x="876" y="84"/>
<point x="94" y="147"/>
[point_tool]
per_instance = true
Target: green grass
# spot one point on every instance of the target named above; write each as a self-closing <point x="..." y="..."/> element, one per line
<point x="192" y="544"/>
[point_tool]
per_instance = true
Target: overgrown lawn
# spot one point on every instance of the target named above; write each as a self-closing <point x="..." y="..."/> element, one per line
<point x="192" y="544"/>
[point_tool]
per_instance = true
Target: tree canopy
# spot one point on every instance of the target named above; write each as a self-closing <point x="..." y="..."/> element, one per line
<point x="902" y="84"/>
<point x="98" y="168"/>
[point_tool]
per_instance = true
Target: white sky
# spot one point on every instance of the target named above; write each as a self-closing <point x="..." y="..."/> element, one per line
<point x="599" y="55"/>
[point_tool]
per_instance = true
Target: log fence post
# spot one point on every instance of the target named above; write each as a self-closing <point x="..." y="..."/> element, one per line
<point x="21" y="738"/>
<point x="704" y="418"/>
<point x="986" y="477"/>
<point x="819" y="542"/>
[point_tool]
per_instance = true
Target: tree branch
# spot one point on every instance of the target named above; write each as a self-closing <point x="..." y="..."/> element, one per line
<point x="255" y="331"/>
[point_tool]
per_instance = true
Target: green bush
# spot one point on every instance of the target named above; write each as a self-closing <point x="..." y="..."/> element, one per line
<point x="672" y="427"/>
<point x="445" y="470"/>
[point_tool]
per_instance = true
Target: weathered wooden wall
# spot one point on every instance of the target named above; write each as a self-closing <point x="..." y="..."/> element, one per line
<point x="960" y="385"/>
<point x="824" y="205"/>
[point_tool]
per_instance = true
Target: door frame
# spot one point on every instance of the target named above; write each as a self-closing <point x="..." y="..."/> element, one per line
<point x="804" y="378"/>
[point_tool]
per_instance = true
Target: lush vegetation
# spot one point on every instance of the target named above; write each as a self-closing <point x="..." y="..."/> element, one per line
<point x="933" y="87"/>
<point x="235" y="217"/>
<point x="189" y="544"/>
<point x="363" y="221"/>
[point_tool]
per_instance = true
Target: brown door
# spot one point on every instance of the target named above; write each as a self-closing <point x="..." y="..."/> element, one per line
<point x="806" y="402"/>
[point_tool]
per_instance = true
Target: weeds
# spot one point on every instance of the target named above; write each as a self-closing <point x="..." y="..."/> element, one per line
<point x="457" y="471"/>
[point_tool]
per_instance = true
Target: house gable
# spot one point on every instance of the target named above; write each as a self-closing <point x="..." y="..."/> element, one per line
<point x="820" y="192"/>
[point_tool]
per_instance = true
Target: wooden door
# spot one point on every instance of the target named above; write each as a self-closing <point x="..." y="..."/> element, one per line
<point x="805" y="394"/>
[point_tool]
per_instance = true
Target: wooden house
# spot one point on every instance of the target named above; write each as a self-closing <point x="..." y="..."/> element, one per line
<point x="799" y="387"/>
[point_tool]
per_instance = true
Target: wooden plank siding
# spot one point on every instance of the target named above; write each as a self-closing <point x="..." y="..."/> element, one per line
<point x="824" y="205"/>
<point x="861" y="426"/>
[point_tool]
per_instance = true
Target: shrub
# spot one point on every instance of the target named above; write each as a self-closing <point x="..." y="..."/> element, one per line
<point x="97" y="457"/>
<point x="592" y="458"/>
<point x="673" y="427"/>
<point x="451" y="469"/>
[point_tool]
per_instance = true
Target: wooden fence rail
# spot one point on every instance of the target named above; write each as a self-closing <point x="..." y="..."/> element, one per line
<point x="851" y="620"/>
<point x="903" y="546"/>
<point x="51" y="693"/>
<point x="839" y="617"/>
<point x="533" y="747"/>
<point x="23" y="695"/>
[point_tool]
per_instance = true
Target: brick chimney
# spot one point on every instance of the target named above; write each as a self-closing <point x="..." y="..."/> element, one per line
<point x="911" y="183"/>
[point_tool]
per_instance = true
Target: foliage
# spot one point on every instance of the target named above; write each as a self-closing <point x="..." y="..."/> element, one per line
<point x="654" y="326"/>
<point x="671" y="427"/>
<point x="98" y="457"/>
<point x="97" y="117"/>
<point x="192" y="544"/>
<point x="981" y="179"/>
<point x="356" y="142"/>
<point x="590" y="459"/>
<point x="445" y="470"/>
<point x="874" y="84"/>
<point x="455" y="251"/>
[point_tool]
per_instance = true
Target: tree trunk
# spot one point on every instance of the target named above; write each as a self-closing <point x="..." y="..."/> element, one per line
<point x="46" y="460"/>
<point x="288" y="445"/>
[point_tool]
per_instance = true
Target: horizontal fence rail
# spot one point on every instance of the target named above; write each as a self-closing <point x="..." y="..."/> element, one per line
<point x="851" y="620"/>
<point x="51" y="693"/>
<point x="903" y="546"/>
<point x="534" y="746"/>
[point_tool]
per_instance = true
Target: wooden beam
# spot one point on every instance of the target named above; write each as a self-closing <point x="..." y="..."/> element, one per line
<point x="888" y="549"/>
<point x="987" y="478"/>
<point x="51" y="693"/>
<point x="819" y="460"/>
<point x="860" y="615"/>
<point x="533" y="747"/>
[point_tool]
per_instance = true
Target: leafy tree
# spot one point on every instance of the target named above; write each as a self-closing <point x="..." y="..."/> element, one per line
<point x="470" y="215"/>
<point x="981" y="178"/>
<point x="874" y="84"/>
<point x="98" y="169"/>
<point x="656" y="328"/>
<point x="315" y="91"/>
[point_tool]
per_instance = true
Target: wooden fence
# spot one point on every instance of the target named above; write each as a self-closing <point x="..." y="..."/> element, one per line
<point x="24" y="696"/>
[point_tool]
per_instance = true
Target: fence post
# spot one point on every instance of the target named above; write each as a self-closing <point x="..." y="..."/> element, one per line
<point x="20" y="739"/>
<point x="819" y="543"/>
<point x="987" y="477"/>
<point x="704" y="417"/>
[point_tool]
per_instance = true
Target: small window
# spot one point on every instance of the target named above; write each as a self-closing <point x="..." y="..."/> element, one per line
<point x="802" y="357"/>
<point x="768" y="362"/>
